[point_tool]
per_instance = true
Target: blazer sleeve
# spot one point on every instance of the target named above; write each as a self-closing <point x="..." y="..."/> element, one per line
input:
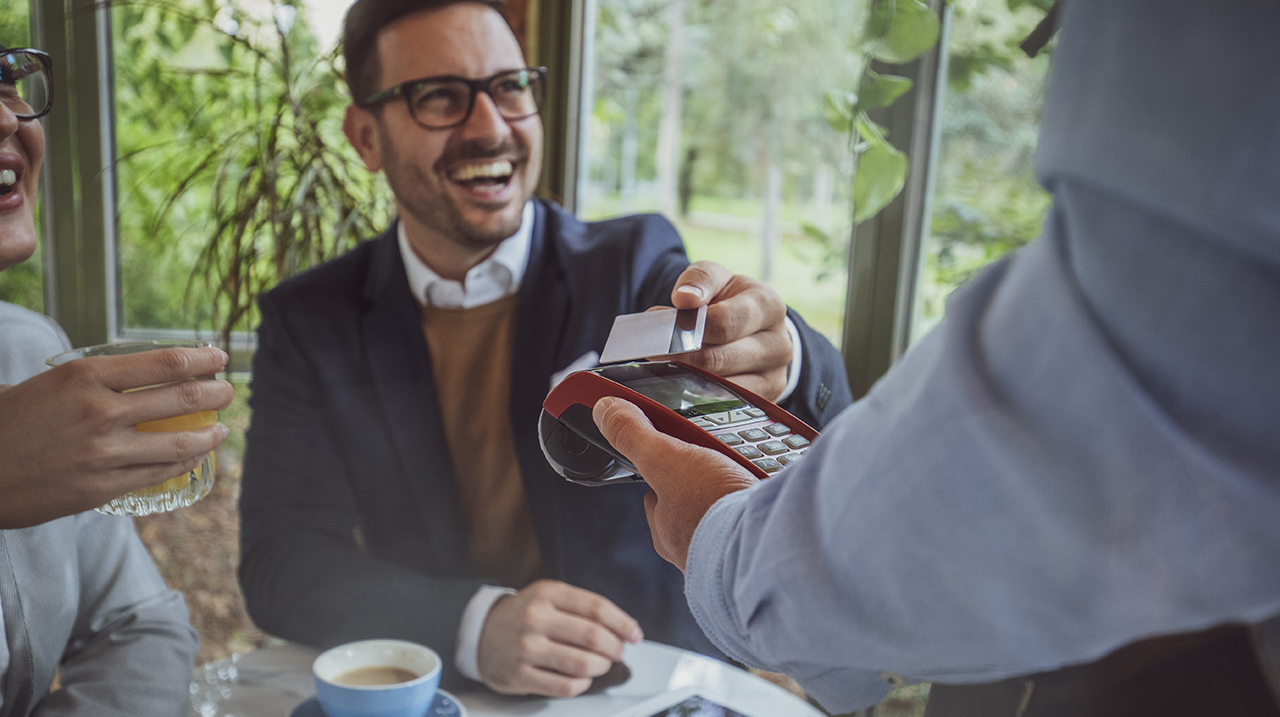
<point x="823" y="390"/>
<point x="304" y="571"/>
<point x="132" y="648"/>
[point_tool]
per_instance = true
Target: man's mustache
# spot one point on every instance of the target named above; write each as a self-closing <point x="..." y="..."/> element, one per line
<point x="478" y="151"/>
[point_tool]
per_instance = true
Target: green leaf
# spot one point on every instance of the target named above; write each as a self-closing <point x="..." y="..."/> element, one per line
<point x="837" y="107"/>
<point x="815" y="233"/>
<point x="882" y="172"/>
<point x="880" y="90"/>
<point x="902" y="30"/>
<point x="1039" y="4"/>
<point x="870" y="131"/>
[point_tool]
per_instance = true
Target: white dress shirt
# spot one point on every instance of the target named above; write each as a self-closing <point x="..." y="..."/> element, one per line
<point x="490" y="280"/>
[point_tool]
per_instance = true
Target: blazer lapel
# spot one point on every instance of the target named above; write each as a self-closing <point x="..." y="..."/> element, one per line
<point x="540" y="323"/>
<point x="400" y="365"/>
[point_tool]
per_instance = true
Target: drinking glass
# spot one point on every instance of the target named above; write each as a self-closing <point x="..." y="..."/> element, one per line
<point x="179" y="491"/>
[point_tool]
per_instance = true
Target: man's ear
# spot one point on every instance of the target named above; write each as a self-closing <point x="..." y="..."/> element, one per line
<point x="360" y="127"/>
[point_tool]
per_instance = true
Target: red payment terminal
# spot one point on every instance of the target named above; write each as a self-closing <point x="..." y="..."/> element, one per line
<point x="681" y="401"/>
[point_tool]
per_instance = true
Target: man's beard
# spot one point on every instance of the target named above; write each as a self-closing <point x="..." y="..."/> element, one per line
<point x="440" y="211"/>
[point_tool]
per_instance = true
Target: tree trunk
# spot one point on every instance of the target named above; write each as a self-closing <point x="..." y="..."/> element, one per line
<point x="772" y="206"/>
<point x="823" y="189"/>
<point x="668" y="159"/>
<point x="630" y="148"/>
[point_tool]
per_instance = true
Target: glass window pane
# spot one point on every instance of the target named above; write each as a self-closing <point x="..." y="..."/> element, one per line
<point x="22" y="284"/>
<point x="710" y="111"/>
<point x="987" y="200"/>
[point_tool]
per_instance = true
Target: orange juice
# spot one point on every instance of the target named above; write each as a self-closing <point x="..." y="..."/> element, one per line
<point x="180" y="423"/>
<point x="179" y="491"/>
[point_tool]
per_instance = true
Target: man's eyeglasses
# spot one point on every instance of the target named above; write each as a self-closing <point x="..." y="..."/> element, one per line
<point x="447" y="101"/>
<point x="26" y="82"/>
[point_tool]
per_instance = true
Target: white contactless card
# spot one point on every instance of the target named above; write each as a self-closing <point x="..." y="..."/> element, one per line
<point x="651" y="334"/>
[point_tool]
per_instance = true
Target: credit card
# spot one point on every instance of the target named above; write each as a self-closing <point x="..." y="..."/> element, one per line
<point x="655" y="334"/>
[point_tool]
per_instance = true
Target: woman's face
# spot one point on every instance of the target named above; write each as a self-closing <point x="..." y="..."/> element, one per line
<point x="21" y="150"/>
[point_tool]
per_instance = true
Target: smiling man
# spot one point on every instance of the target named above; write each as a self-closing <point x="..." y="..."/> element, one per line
<point x="393" y="482"/>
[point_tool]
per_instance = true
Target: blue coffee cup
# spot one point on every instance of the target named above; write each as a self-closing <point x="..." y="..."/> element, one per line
<point x="377" y="678"/>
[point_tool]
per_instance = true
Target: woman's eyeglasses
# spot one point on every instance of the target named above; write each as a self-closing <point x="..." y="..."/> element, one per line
<point x="26" y="82"/>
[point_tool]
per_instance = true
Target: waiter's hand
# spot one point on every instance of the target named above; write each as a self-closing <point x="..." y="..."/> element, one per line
<point x="684" y="480"/>
<point x="67" y="437"/>
<point x="552" y="638"/>
<point x="746" y="339"/>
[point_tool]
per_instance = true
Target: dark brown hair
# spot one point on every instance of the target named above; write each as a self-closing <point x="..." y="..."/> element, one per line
<point x="360" y="36"/>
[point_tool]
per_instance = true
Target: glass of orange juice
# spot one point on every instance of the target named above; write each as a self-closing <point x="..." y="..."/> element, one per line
<point x="179" y="491"/>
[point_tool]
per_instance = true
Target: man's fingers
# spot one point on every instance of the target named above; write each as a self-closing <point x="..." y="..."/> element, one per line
<point x="568" y="658"/>
<point x="176" y="399"/>
<point x="699" y="284"/>
<point x="650" y="514"/>
<point x="746" y="307"/>
<point x="601" y="611"/>
<point x="758" y="353"/>
<point x="151" y="368"/>
<point x="583" y="634"/>
<point x="533" y="680"/>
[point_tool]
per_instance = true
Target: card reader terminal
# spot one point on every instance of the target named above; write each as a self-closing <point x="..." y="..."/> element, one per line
<point x="682" y="401"/>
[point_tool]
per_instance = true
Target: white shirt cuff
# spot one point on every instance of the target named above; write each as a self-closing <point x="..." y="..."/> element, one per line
<point x="467" y="658"/>
<point x="793" y="369"/>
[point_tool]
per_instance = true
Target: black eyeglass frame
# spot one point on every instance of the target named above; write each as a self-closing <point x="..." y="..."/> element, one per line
<point x="476" y="86"/>
<point x="46" y="62"/>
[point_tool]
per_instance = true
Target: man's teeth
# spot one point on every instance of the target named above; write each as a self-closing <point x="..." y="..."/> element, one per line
<point x="501" y="168"/>
<point x="8" y="177"/>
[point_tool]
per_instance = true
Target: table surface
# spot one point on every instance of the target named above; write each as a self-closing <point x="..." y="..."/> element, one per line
<point x="272" y="681"/>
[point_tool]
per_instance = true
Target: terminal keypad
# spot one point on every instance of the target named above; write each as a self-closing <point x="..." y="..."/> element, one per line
<point x="769" y="445"/>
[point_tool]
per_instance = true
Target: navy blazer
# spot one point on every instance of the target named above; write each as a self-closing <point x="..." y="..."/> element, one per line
<point x="351" y="527"/>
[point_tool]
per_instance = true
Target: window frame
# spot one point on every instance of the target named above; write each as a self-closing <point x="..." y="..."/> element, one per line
<point x="82" y="277"/>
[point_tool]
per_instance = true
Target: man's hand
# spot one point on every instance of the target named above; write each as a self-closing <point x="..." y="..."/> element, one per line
<point x="551" y="639"/>
<point x="684" y="480"/>
<point x="68" y="436"/>
<point x="746" y="339"/>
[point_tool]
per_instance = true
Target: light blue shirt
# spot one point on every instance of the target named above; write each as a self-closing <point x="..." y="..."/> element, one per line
<point x="1086" y="452"/>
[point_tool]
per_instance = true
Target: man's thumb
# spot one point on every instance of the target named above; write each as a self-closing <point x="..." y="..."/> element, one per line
<point x="624" y="426"/>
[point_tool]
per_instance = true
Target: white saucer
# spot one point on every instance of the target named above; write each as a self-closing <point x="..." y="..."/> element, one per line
<point x="444" y="705"/>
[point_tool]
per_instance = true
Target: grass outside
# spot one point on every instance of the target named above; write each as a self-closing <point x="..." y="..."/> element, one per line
<point x="728" y="232"/>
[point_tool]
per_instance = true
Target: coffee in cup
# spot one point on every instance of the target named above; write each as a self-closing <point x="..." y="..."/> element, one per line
<point x="377" y="678"/>
<point x="376" y="675"/>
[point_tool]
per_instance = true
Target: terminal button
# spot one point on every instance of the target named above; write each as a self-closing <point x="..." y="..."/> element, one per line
<point x="749" y="451"/>
<point x="729" y="439"/>
<point x="753" y="434"/>
<point x="754" y="412"/>
<point x="777" y="429"/>
<point x="789" y="458"/>
<point x="796" y="441"/>
<point x="768" y="465"/>
<point x="773" y="448"/>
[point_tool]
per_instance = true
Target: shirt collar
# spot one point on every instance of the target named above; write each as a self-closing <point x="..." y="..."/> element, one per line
<point x="486" y="282"/>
